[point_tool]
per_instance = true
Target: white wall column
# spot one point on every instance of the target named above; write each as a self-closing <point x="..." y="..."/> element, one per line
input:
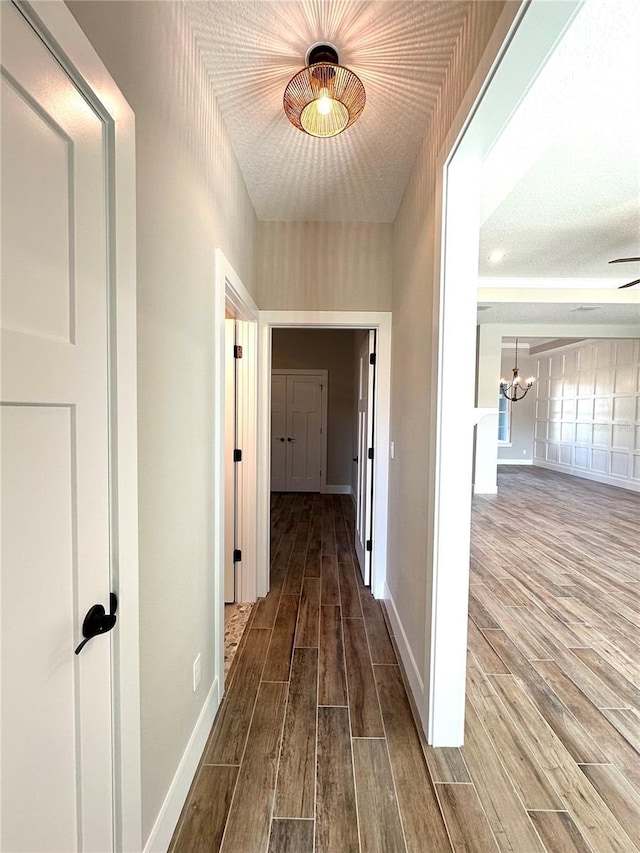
<point x="485" y="467"/>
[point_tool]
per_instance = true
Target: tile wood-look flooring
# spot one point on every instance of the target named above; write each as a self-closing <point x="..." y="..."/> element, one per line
<point x="314" y="747"/>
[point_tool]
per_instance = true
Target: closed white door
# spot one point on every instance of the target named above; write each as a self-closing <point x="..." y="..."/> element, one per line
<point x="297" y="438"/>
<point x="304" y="434"/>
<point x="57" y="772"/>
<point x="366" y="377"/>
<point x="278" y="433"/>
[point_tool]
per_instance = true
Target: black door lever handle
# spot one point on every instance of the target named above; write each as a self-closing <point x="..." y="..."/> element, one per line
<point x="97" y="621"/>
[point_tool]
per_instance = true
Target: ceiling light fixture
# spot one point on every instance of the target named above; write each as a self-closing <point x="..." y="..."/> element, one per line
<point x="324" y="98"/>
<point x="496" y="256"/>
<point x="517" y="389"/>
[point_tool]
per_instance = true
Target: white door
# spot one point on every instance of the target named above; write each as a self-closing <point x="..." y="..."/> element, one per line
<point x="278" y="433"/>
<point x="230" y="431"/>
<point x="56" y="706"/>
<point x="297" y="438"/>
<point x="366" y="379"/>
<point x="304" y="434"/>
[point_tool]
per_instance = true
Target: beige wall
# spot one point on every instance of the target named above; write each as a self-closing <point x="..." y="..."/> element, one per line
<point x="415" y="278"/>
<point x="190" y="198"/>
<point x="332" y="350"/>
<point x="324" y="266"/>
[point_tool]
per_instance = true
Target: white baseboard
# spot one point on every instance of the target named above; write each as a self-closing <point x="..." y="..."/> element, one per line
<point x="414" y="676"/>
<point x="515" y="461"/>
<point x="588" y="475"/>
<point x="485" y="490"/>
<point x="337" y="490"/>
<point x="163" y="829"/>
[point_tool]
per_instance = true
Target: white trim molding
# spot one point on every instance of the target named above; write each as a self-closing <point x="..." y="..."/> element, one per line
<point x="515" y="461"/>
<point x="338" y="490"/>
<point x="595" y="477"/>
<point x="411" y="668"/>
<point x="229" y="292"/>
<point x="169" y="814"/>
<point x="381" y="322"/>
<point x="504" y="74"/>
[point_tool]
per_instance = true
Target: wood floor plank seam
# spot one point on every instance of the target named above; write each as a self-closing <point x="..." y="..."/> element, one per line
<point x="347" y="705"/>
<point x="242" y="758"/>
<point x="353" y="770"/>
<point x="567" y="767"/>
<point x="560" y="619"/>
<point x="525" y="841"/>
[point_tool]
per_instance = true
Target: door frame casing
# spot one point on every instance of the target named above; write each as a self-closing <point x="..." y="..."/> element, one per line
<point x="381" y="322"/>
<point x="65" y="39"/>
<point x="323" y="375"/>
<point x="520" y="46"/>
<point x="365" y="566"/>
<point x="229" y="292"/>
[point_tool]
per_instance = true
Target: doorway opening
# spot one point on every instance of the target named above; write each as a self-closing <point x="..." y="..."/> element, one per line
<point x="295" y="424"/>
<point x="235" y="459"/>
<point x="322" y="418"/>
<point x="532" y="36"/>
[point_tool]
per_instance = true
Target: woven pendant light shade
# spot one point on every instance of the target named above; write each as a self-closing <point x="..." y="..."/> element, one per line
<point x="324" y="98"/>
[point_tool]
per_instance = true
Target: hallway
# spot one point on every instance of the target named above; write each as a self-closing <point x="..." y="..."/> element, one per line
<point x="314" y="747"/>
<point x="331" y="732"/>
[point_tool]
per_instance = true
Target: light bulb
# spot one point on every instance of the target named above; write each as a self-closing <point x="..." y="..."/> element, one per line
<point x="324" y="103"/>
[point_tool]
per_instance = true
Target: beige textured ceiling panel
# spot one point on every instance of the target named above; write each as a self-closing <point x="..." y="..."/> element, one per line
<point x="400" y="50"/>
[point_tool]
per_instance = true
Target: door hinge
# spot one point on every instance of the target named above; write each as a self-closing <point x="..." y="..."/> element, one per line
<point x="237" y="351"/>
<point x="237" y="455"/>
<point x="370" y="453"/>
<point x="372" y="358"/>
<point x="237" y="555"/>
<point x="369" y="545"/>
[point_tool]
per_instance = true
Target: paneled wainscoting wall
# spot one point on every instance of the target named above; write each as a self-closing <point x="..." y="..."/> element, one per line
<point x="588" y="411"/>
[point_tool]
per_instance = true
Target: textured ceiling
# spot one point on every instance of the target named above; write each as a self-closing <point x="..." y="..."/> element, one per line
<point x="400" y="50"/>
<point x="559" y="313"/>
<point x="561" y="187"/>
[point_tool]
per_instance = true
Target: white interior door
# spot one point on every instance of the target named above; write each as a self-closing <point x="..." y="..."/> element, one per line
<point x="366" y="379"/>
<point x="304" y="433"/>
<point x="56" y="707"/>
<point x="229" y="466"/>
<point x="278" y="432"/>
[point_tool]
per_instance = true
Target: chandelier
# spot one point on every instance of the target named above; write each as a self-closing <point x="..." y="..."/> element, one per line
<point x="518" y="388"/>
<point x="324" y="98"/>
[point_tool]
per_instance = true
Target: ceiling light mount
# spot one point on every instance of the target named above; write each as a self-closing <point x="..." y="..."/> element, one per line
<point x="322" y="52"/>
<point x="324" y="98"/>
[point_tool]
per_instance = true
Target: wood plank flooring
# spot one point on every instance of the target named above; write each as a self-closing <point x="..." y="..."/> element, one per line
<point x="314" y="749"/>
